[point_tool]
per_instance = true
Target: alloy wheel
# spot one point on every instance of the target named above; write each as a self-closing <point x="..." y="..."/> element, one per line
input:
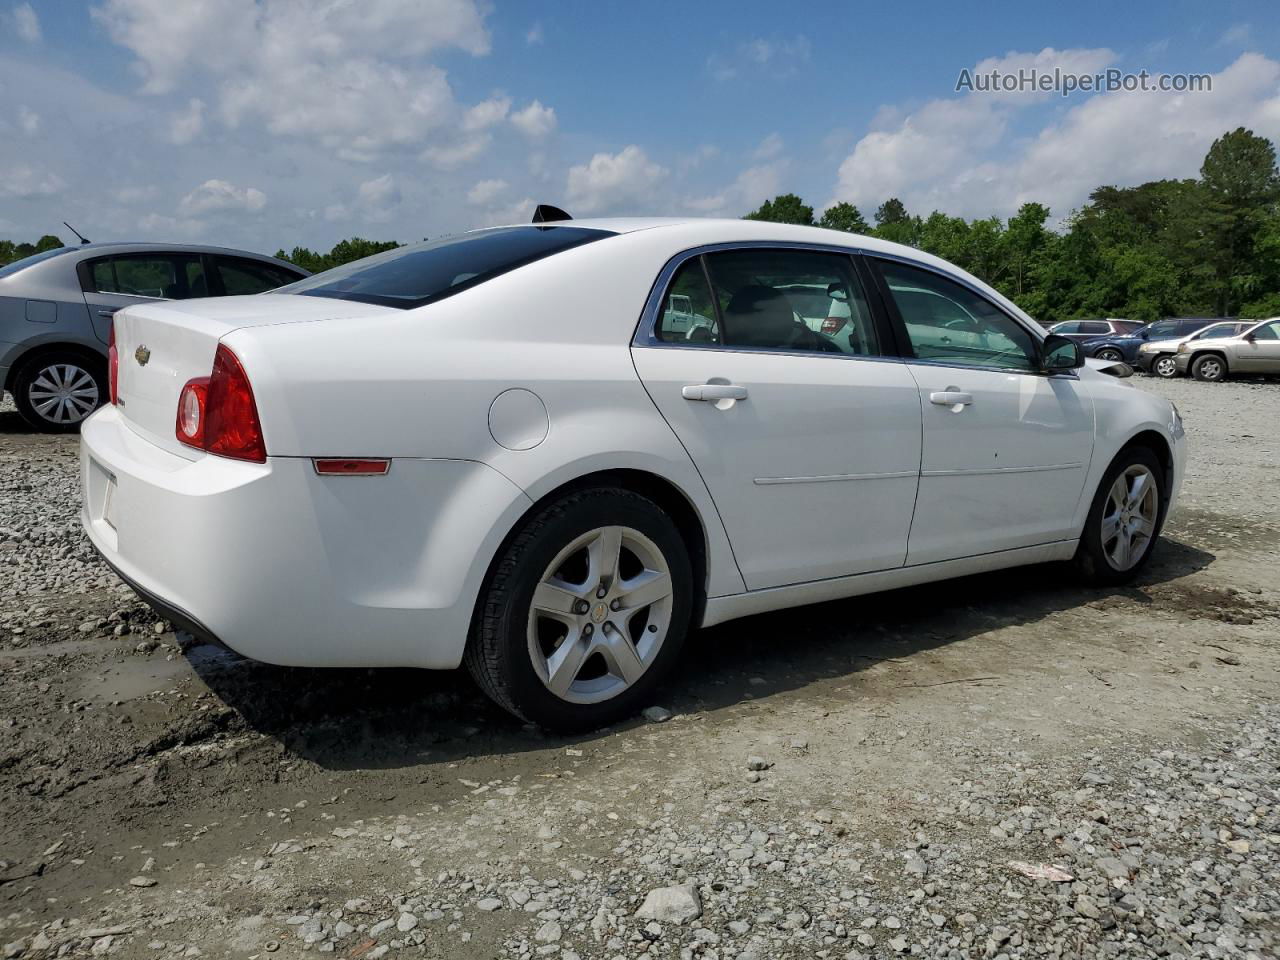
<point x="1210" y="369"/>
<point x="1111" y="356"/>
<point x="1129" y="517"/>
<point x="600" y="614"/>
<point x="63" y="393"/>
<point x="1165" y="366"/>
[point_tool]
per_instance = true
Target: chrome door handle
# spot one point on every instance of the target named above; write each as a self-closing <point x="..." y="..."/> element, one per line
<point x="951" y="398"/>
<point x="713" y="391"/>
<point x="107" y="313"/>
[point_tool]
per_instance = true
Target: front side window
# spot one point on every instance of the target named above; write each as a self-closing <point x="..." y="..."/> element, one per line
<point x="949" y="323"/>
<point x="412" y="276"/>
<point x="791" y="300"/>
<point x="1162" y="329"/>
<point x="1268" y="331"/>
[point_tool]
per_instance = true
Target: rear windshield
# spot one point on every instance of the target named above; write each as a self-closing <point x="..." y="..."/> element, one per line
<point x="425" y="272"/>
<point x="33" y="259"/>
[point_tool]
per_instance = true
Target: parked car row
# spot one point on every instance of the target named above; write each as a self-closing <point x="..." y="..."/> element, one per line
<point x="56" y="310"/>
<point x="1207" y="348"/>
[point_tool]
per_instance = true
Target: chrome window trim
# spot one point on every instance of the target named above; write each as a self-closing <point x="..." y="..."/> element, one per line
<point x="644" y="335"/>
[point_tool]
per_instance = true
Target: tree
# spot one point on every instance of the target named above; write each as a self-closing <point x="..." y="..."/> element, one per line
<point x="890" y="212"/>
<point x="1024" y="238"/>
<point x="357" y="248"/>
<point x="844" y="216"/>
<point x="1242" y="184"/>
<point x="787" y="208"/>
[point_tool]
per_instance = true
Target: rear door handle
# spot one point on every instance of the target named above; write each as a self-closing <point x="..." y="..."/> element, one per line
<point x="107" y="313"/>
<point x="951" y="398"/>
<point x="713" y="391"/>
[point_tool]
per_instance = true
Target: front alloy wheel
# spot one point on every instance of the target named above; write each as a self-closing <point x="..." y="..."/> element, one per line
<point x="1165" y="366"/>
<point x="1124" y="520"/>
<point x="56" y="393"/>
<point x="584" y="610"/>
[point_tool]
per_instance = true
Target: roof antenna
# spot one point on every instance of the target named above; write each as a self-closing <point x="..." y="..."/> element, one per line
<point x="82" y="237"/>
<point x="545" y="213"/>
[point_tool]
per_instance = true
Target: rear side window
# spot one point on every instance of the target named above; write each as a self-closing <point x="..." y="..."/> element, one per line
<point x="144" y="275"/>
<point x="245" y="277"/>
<point x="688" y="313"/>
<point x="1095" y="326"/>
<point x="412" y="276"/>
<point x="1062" y="329"/>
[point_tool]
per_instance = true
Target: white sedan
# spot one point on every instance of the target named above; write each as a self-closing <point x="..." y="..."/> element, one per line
<point x="510" y="448"/>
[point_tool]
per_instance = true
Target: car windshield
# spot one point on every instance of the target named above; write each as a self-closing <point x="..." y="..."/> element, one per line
<point x="423" y="273"/>
<point x="12" y="268"/>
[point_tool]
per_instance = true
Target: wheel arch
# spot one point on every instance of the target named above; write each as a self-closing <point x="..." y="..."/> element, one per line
<point x="1156" y="442"/>
<point x="1220" y="354"/>
<point x="53" y="348"/>
<point x="666" y="494"/>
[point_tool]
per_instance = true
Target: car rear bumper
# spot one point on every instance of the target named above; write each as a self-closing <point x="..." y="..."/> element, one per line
<point x="289" y="567"/>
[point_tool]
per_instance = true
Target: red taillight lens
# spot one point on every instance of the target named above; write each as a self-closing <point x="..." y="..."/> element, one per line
<point x="113" y="366"/>
<point x="191" y="406"/>
<point x="217" y="413"/>
<point x="833" y="325"/>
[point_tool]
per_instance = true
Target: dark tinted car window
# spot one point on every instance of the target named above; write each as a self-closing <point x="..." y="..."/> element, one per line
<point x="243" y="277"/>
<point x="412" y="276"/>
<point x="1094" y="326"/>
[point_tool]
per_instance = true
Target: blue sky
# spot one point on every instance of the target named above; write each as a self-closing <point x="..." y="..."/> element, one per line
<point x="264" y="123"/>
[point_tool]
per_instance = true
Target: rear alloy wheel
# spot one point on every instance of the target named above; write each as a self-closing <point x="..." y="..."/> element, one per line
<point x="1125" y="519"/>
<point x="584" y="612"/>
<point x="1165" y="366"/>
<point x="1211" y="368"/>
<point x="1110" y="355"/>
<point x="56" y="392"/>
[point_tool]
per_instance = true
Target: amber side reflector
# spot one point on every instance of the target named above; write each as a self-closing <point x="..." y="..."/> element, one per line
<point x="335" y="467"/>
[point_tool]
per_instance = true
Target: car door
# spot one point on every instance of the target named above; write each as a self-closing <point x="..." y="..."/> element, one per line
<point x="110" y="283"/>
<point x="808" y="442"/>
<point x="1259" y="351"/>
<point x="1006" y="448"/>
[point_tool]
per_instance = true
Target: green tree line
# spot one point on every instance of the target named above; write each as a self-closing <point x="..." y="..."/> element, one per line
<point x="1209" y="246"/>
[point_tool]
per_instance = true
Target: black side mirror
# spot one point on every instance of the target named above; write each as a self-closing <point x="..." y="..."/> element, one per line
<point x="1058" y="354"/>
<point x="1251" y="336"/>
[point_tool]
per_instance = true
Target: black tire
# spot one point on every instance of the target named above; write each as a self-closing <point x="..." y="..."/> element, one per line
<point x="498" y="653"/>
<point x="29" y="385"/>
<point x="1110" y="354"/>
<point x="1209" y="367"/>
<point x="1164" y="366"/>
<point x="1091" y="559"/>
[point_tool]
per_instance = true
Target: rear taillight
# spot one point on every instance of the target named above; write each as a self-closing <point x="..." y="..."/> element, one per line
<point x="832" y="325"/>
<point x="113" y="365"/>
<point x="217" y="413"/>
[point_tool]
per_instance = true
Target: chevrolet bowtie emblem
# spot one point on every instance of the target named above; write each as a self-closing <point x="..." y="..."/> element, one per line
<point x="142" y="355"/>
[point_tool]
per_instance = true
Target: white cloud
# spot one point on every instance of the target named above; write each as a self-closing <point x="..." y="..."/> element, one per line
<point x="186" y="125"/>
<point x="350" y="75"/>
<point x="165" y="228"/>
<point x="486" y="113"/>
<point x="959" y="154"/>
<point x="28" y="120"/>
<point x="1238" y="35"/>
<point x="751" y="188"/>
<point x="535" y="120"/>
<point x="220" y="195"/>
<point x="533" y="37"/>
<point x="775" y="57"/>
<point x="769" y="148"/>
<point x="380" y="191"/>
<point x="612" y="181"/>
<point x="485" y="191"/>
<point x="24" y="181"/>
<point x="26" y="23"/>
<point x="454" y="156"/>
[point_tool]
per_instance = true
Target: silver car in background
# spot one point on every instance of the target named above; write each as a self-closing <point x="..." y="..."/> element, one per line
<point x="1159" y="357"/>
<point x="1257" y="350"/>
<point x="56" y="309"/>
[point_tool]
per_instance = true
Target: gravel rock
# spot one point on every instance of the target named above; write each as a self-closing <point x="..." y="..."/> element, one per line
<point x="672" y="904"/>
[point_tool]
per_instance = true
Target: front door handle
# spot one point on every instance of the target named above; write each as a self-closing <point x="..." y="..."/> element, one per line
<point x="713" y="391"/>
<point x="951" y="398"/>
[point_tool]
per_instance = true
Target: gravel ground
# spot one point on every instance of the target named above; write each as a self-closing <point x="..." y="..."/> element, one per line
<point x="1004" y="766"/>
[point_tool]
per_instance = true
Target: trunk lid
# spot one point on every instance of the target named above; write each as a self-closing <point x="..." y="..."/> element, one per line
<point x="162" y="346"/>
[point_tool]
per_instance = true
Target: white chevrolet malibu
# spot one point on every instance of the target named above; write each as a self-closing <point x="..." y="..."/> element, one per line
<point x="550" y="451"/>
